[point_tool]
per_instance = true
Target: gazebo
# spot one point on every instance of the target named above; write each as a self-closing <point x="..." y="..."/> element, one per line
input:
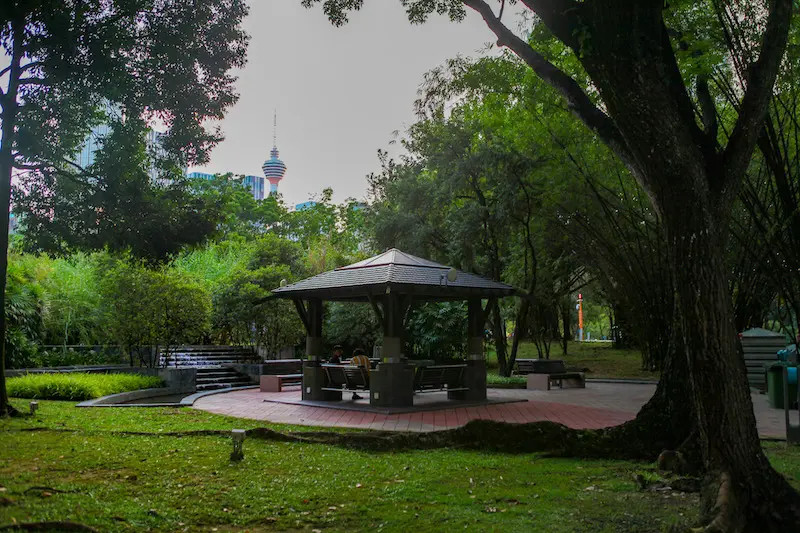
<point x="390" y="282"/>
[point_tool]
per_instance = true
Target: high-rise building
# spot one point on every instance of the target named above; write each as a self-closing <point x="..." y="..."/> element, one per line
<point x="93" y="142"/>
<point x="200" y="176"/>
<point x="274" y="169"/>
<point x="256" y="186"/>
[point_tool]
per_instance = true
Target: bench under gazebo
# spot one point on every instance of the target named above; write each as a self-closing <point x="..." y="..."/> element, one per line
<point x="390" y="283"/>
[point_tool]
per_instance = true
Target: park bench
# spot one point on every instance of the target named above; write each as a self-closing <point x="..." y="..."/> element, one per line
<point x="543" y="373"/>
<point x="275" y="382"/>
<point x="439" y="377"/>
<point x="346" y="378"/>
<point x="281" y="367"/>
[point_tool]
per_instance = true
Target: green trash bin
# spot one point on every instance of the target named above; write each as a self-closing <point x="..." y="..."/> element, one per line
<point x="774" y="373"/>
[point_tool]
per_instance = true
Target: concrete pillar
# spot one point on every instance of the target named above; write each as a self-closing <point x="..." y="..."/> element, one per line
<point x="314" y="377"/>
<point x="475" y="373"/>
<point x="392" y="385"/>
<point x="392" y="349"/>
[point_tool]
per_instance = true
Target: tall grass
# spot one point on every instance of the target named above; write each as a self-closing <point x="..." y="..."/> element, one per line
<point x="77" y="386"/>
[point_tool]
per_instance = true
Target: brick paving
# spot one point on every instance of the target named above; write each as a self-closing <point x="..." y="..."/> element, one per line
<point x="598" y="405"/>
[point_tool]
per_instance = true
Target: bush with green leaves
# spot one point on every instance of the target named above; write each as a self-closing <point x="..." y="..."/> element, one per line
<point x="23" y="310"/>
<point x="438" y="330"/>
<point x="353" y="325"/>
<point x="77" y="386"/>
<point x="154" y="307"/>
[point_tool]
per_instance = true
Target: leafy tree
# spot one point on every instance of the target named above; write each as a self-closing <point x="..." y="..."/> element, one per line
<point x="150" y="308"/>
<point x="654" y="109"/>
<point x="23" y="311"/>
<point x="240" y="212"/>
<point x="166" y="61"/>
<point x="72" y="309"/>
<point x="352" y="325"/>
<point x="117" y="205"/>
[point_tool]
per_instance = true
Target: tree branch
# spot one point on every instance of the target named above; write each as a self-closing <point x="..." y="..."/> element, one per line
<point x="578" y="102"/>
<point x="560" y="18"/>
<point x="760" y="82"/>
<point x="33" y="81"/>
<point x="708" y="109"/>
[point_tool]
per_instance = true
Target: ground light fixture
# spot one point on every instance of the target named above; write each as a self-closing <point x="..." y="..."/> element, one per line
<point x="237" y="436"/>
<point x="34" y="407"/>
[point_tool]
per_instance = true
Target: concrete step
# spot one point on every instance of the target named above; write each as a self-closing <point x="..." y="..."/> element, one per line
<point x="215" y="386"/>
<point x="221" y="379"/>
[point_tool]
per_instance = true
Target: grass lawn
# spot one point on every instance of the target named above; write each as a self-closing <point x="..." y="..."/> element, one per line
<point x="95" y="475"/>
<point x="600" y="358"/>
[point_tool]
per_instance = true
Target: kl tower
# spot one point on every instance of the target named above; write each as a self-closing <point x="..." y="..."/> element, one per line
<point x="274" y="168"/>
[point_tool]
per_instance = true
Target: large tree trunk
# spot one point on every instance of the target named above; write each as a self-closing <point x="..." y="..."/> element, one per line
<point x="744" y="493"/>
<point x="9" y="119"/>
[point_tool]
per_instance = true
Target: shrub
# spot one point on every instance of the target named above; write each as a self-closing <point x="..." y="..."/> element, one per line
<point x="83" y="355"/>
<point x="77" y="386"/>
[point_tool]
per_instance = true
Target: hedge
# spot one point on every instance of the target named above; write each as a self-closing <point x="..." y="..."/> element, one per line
<point x="77" y="386"/>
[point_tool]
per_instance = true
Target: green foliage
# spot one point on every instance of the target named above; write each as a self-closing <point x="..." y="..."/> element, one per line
<point x="438" y="330"/>
<point x="23" y="311"/>
<point x="353" y="325"/>
<point x="73" y="303"/>
<point x="77" y="386"/>
<point x="149" y="307"/>
<point x="77" y="355"/>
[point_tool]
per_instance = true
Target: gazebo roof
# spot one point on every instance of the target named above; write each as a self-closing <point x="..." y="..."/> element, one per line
<point x="398" y="272"/>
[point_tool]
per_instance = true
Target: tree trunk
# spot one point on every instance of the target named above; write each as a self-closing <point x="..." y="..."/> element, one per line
<point x="566" y="315"/>
<point x="744" y="493"/>
<point x="9" y="119"/>
<point x="498" y="332"/>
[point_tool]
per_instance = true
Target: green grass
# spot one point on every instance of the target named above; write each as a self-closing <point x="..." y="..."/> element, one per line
<point x="492" y="378"/>
<point x="117" y="482"/>
<point x="601" y="360"/>
<point x="77" y="386"/>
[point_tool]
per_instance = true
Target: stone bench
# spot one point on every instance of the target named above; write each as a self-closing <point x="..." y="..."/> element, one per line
<point x="275" y="382"/>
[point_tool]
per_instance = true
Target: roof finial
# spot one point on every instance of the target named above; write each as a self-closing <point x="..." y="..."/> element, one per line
<point x="275" y="128"/>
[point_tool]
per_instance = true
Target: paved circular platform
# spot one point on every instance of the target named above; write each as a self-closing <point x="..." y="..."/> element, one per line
<point x="598" y="405"/>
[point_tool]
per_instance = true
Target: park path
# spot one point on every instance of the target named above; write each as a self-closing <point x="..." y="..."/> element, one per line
<point x="598" y="405"/>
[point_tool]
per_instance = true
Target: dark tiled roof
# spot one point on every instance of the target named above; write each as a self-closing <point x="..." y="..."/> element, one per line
<point x="397" y="271"/>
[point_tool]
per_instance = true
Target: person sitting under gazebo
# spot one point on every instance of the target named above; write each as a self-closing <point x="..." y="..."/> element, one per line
<point x="336" y="358"/>
<point x="360" y="359"/>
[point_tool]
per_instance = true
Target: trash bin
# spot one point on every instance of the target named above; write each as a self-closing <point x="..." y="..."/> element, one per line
<point x="774" y="376"/>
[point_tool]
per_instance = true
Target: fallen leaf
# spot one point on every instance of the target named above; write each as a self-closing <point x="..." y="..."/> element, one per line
<point x="358" y="485"/>
<point x="333" y="508"/>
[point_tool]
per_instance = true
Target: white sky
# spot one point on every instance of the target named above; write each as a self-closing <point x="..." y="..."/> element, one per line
<point x="339" y="92"/>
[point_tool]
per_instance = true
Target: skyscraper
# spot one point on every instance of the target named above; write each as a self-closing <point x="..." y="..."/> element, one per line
<point x="274" y="169"/>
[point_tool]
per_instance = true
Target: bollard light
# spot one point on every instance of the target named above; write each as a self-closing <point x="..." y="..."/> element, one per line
<point x="237" y="435"/>
<point x="34" y="407"/>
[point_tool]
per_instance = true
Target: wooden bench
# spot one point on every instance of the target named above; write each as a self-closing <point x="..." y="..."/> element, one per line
<point x="439" y="377"/>
<point x="543" y="373"/>
<point x="346" y="378"/>
<point x="275" y="383"/>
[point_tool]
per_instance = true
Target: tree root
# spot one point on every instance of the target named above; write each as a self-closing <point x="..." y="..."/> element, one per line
<point x="48" y="526"/>
<point x="11" y="412"/>
<point x="46" y="489"/>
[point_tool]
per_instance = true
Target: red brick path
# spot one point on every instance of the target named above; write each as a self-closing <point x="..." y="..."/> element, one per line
<point x="598" y="405"/>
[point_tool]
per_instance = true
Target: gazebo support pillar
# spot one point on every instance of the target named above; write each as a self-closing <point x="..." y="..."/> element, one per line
<point x="313" y="374"/>
<point x="475" y="373"/>
<point x="392" y="383"/>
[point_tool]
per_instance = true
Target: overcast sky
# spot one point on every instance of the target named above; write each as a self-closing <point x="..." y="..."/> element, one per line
<point x="339" y="92"/>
